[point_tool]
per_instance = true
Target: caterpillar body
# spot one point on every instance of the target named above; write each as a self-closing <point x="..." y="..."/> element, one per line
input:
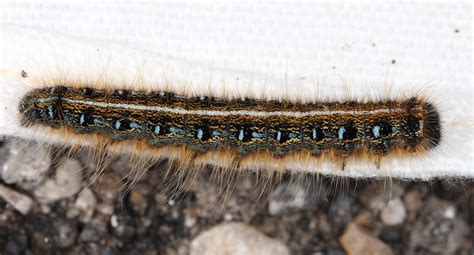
<point x="239" y="126"/>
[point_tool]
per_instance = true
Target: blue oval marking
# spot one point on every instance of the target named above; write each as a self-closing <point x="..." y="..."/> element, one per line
<point x="341" y="132"/>
<point x="82" y="119"/>
<point x="376" y="131"/>
<point x="200" y="134"/>
<point x="117" y="124"/>
<point x="241" y="135"/>
<point x="50" y="112"/>
<point x="157" y="129"/>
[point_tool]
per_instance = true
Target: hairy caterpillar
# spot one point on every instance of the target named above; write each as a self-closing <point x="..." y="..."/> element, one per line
<point x="239" y="126"/>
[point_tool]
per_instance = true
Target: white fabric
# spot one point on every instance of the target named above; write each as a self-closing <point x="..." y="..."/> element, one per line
<point x="282" y="49"/>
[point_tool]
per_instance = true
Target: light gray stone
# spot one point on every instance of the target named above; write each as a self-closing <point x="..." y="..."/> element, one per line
<point x="295" y="195"/>
<point x="66" y="183"/>
<point x="84" y="206"/>
<point x="236" y="239"/>
<point x="437" y="229"/>
<point x="27" y="164"/>
<point x="20" y="202"/>
<point x="394" y="213"/>
<point x="286" y="197"/>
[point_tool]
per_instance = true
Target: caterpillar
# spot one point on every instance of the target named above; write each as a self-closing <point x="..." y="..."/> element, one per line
<point x="239" y="126"/>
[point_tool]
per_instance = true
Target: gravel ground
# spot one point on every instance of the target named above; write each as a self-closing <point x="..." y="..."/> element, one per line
<point x="46" y="208"/>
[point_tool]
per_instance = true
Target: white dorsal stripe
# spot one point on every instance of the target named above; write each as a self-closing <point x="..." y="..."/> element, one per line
<point x="220" y="113"/>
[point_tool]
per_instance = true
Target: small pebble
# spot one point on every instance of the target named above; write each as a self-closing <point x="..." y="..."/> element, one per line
<point x="106" y="190"/>
<point x="391" y="234"/>
<point x="93" y="231"/>
<point x="413" y="201"/>
<point x="340" y="212"/>
<point x="66" y="183"/>
<point x="85" y="204"/>
<point x="66" y="233"/>
<point x="357" y="241"/>
<point x="105" y="208"/>
<point x="236" y="239"/>
<point x="113" y="221"/>
<point x="16" y="244"/>
<point x="122" y="226"/>
<point x="286" y="197"/>
<point x="137" y="201"/>
<point x="189" y="218"/>
<point x="437" y="230"/>
<point x="376" y="197"/>
<point x="394" y="213"/>
<point x="26" y="165"/>
<point x="20" y="202"/>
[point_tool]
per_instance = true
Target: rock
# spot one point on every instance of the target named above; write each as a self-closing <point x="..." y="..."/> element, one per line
<point x="122" y="226"/>
<point x="137" y="201"/>
<point x="190" y="218"/>
<point x="84" y="205"/>
<point x="356" y="241"/>
<point x="437" y="229"/>
<point x="16" y="244"/>
<point x="66" y="183"/>
<point x="376" y="197"/>
<point x="105" y="208"/>
<point x="20" y="202"/>
<point x="26" y="165"/>
<point x="340" y="212"/>
<point x="66" y="233"/>
<point x="394" y="213"/>
<point x="391" y="234"/>
<point x="287" y="197"/>
<point x="236" y="238"/>
<point x="413" y="201"/>
<point x="106" y="190"/>
<point x="96" y="249"/>
<point x="93" y="231"/>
